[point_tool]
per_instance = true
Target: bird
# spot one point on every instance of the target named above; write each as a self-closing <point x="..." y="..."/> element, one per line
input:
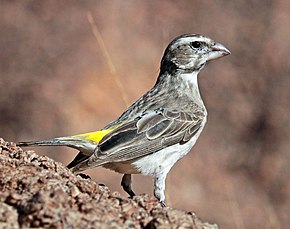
<point x="159" y="128"/>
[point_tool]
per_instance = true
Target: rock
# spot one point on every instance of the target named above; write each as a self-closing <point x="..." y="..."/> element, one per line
<point x="37" y="191"/>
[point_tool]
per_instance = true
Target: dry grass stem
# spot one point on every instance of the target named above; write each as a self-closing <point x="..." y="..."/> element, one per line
<point x="109" y="61"/>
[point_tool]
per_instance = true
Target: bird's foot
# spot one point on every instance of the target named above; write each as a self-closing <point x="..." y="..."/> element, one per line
<point x="163" y="204"/>
<point x="131" y="193"/>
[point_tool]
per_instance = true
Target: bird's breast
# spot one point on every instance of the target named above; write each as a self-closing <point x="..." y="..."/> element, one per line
<point x="163" y="160"/>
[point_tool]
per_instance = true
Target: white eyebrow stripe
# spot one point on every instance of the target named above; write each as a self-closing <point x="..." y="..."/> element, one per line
<point x="187" y="40"/>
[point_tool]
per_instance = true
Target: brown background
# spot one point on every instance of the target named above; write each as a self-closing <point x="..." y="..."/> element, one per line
<point x="55" y="81"/>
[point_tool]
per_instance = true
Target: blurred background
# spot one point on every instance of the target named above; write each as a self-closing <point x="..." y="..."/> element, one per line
<point x="62" y="73"/>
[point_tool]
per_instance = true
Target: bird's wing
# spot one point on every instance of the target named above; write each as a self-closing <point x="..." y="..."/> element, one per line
<point x="145" y="135"/>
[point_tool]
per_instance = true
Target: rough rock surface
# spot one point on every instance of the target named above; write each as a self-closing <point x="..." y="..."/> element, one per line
<point x="37" y="192"/>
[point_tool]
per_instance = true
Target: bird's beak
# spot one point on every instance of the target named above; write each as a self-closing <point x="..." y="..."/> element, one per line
<point x="217" y="51"/>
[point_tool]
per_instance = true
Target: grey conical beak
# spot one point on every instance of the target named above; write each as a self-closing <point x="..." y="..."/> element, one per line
<point x="217" y="51"/>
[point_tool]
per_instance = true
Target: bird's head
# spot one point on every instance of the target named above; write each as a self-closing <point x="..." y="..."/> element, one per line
<point x="190" y="53"/>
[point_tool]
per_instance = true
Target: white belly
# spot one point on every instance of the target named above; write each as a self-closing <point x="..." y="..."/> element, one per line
<point x="164" y="159"/>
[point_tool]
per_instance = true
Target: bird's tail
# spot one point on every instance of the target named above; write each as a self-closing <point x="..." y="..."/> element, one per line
<point x="75" y="142"/>
<point x="86" y="143"/>
<point x="51" y="142"/>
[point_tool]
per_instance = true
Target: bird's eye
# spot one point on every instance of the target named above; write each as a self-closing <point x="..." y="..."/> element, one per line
<point x="196" y="44"/>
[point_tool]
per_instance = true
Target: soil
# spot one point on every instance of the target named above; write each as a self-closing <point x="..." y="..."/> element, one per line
<point x="38" y="192"/>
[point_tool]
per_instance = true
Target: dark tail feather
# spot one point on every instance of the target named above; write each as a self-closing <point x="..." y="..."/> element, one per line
<point x="52" y="142"/>
<point x="78" y="159"/>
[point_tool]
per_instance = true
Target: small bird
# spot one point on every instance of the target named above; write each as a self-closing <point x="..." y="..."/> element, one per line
<point x="159" y="128"/>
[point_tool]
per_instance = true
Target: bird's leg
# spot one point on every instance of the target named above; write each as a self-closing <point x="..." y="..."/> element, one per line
<point x="126" y="184"/>
<point x="159" y="188"/>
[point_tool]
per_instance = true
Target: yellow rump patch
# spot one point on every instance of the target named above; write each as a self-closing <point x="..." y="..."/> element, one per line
<point x="96" y="136"/>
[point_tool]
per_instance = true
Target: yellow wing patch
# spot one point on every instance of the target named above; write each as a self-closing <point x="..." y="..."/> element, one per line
<point x="96" y="136"/>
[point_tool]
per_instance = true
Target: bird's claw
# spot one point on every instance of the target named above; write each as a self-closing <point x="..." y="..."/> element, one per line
<point x="163" y="204"/>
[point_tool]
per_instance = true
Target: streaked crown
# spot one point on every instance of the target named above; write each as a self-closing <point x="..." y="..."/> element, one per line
<point x="190" y="52"/>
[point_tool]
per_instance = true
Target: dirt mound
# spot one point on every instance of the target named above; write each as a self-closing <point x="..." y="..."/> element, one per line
<point x="38" y="192"/>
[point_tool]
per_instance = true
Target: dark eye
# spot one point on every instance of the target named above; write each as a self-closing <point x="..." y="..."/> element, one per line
<point x="196" y="44"/>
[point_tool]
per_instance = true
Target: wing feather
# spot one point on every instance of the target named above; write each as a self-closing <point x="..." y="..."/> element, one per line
<point x="149" y="120"/>
<point x="158" y="130"/>
<point x="147" y="134"/>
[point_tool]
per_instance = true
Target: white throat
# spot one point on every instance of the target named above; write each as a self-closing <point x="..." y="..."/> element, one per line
<point x="190" y="79"/>
<point x="190" y="84"/>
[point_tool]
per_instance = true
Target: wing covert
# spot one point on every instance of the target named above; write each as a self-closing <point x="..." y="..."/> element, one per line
<point x="148" y="134"/>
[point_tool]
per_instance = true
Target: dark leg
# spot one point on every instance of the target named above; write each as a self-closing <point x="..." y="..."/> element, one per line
<point x="126" y="184"/>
